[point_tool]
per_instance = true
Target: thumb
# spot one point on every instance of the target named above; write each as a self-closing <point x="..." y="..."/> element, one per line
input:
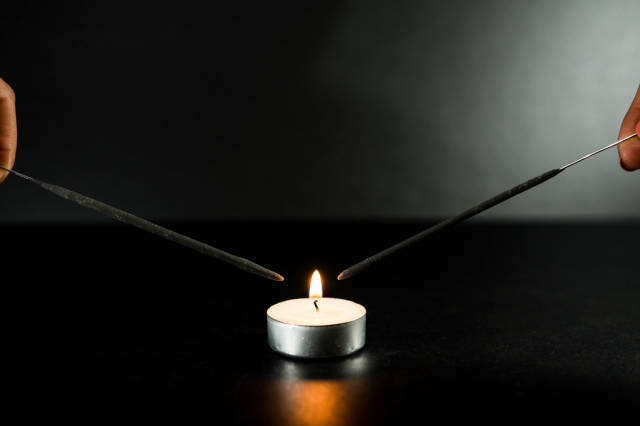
<point x="8" y="128"/>
<point x="629" y="151"/>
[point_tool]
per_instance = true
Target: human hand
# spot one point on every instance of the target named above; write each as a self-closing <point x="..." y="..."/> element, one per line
<point x="629" y="151"/>
<point x="8" y="128"/>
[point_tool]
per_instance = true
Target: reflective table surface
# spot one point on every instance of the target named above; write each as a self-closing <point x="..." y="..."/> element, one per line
<point x="491" y="321"/>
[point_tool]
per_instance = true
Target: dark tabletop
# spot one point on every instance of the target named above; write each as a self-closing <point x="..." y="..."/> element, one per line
<point x="511" y="322"/>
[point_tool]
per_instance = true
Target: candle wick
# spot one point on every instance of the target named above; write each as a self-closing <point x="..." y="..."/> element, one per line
<point x="315" y="303"/>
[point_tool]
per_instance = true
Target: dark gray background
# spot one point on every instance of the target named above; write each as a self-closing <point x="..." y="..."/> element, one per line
<point x="328" y="110"/>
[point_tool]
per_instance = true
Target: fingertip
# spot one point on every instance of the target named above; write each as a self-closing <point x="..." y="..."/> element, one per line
<point x="629" y="153"/>
<point x="4" y="173"/>
<point x="623" y="167"/>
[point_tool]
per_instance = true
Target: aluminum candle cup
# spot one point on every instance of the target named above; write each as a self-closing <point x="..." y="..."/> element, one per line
<point x="296" y="328"/>
<point x="316" y="327"/>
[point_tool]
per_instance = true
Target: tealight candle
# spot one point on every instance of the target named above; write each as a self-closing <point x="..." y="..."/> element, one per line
<point x="316" y="327"/>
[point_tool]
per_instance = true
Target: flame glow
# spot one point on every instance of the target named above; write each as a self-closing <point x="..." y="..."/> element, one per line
<point x="315" y="288"/>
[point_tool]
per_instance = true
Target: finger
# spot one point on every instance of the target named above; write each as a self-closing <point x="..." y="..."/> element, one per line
<point x="8" y="128"/>
<point x="629" y="151"/>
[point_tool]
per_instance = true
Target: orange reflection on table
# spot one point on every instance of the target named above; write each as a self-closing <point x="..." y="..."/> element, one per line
<point x="316" y="402"/>
<point x="294" y="398"/>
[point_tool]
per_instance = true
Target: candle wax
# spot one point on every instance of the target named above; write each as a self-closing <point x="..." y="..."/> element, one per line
<point x="303" y="311"/>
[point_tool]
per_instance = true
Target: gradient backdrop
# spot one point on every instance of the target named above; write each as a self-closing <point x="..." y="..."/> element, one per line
<point x="349" y="109"/>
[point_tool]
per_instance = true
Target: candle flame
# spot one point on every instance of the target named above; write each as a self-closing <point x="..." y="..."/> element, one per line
<point x="315" y="288"/>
